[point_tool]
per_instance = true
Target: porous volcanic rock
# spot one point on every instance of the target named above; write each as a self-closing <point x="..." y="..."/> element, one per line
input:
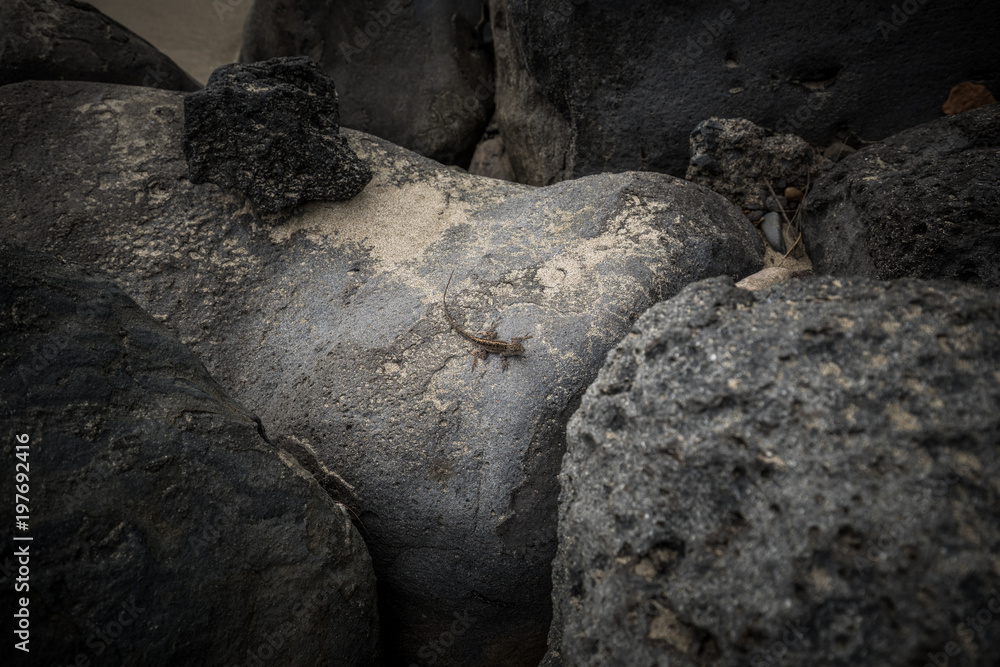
<point x="737" y="159"/>
<point x="271" y="130"/>
<point x="924" y="203"/>
<point x="804" y="475"/>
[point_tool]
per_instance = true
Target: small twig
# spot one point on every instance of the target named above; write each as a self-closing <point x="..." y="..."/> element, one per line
<point x="795" y="224"/>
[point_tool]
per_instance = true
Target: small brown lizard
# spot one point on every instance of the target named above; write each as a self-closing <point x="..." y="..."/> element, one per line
<point x="488" y="342"/>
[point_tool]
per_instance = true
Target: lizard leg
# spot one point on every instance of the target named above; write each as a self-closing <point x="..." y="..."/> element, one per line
<point x="491" y="333"/>
<point x="518" y="339"/>
<point x="504" y="364"/>
<point x="479" y="355"/>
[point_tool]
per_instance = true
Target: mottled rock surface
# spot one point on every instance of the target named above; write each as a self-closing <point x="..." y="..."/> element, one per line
<point x="630" y="81"/>
<point x="271" y="130"/>
<point x="805" y="475"/>
<point x="166" y="529"/>
<point x="924" y="203"/>
<point x="737" y="159"/>
<point x="416" y="72"/>
<point x="69" y="40"/>
<point x="327" y="321"/>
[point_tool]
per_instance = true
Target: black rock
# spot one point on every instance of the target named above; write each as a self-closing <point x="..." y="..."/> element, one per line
<point x="924" y="203"/>
<point x="624" y="84"/>
<point x="271" y="131"/>
<point x="68" y="40"/>
<point x="166" y="528"/>
<point x="804" y="475"/>
<point x="738" y="159"/>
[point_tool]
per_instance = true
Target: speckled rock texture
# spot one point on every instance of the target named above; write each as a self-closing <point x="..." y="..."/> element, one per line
<point x="271" y="130"/>
<point x="804" y="475"/>
<point x="69" y="40"/>
<point x="628" y="82"/>
<point x="737" y="159"/>
<point x="327" y="321"/>
<point x="924" y="203"/>
<point x="418" y="73"/>
<point x="166" y="529"/>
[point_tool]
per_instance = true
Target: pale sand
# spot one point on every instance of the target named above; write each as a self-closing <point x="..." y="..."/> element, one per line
<point x="191" y="32"/>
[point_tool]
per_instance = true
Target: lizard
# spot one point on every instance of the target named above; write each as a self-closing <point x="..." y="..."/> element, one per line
<point x="488" y="342"/>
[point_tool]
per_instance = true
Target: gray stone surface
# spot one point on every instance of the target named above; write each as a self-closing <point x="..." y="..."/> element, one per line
<point x="630" y="81"/>
<point x="737" y="159"/>
<point x="166" y="529"/>
<point x="415" y="72"/>
<point x="804" y="475"/>
<point x="69" y="40"/>
<point x="924" y="203"/>
<point x="271" y="130"/>
<point x="327" y="322"/>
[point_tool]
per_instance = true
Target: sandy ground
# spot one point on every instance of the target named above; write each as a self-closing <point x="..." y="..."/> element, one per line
<point x="199" y="35"/>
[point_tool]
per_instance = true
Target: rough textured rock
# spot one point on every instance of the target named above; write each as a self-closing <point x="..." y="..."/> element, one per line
<point x="69" y="40"/>
<point x="632" y="82"/>
<point x="415" y="72"/>
<point x="736" y="158"/>
<point x="166" y="529"/>
<point x="805" y="475"/>
<point x="271" y="131"/>
<point x="923" y="203"/>
<point x="328" y="324"/>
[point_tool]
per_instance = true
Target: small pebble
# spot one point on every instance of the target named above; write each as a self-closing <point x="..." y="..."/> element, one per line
<point x="754" y="216"/>
<point x="771" y="226"/>
<point x="793" y="194"/>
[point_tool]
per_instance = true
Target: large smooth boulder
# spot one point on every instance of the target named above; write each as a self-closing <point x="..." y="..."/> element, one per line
<point x="924" y="203"/>
<point x="415" y="72"/>
<point x="629" y="82"/>
<point x="69" y="40"/>
<point x="804" y="475"/>
<point x="165" y="528"/>
<point x="328" y="322"/>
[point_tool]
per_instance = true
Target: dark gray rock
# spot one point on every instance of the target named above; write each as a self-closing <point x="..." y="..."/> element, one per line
<point x="271" y="130"/>
<point x="69" y="40"/>
<point x="416" y="72"/>
<point x="166" y="529"/>
<point x="805" y="475"/>
<point x="328" y="322"/>
<point x="737" y="159"/>
<point x="629" y="82"/>
<point x="924" y="203"/>
<point x="533" y="125"/>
